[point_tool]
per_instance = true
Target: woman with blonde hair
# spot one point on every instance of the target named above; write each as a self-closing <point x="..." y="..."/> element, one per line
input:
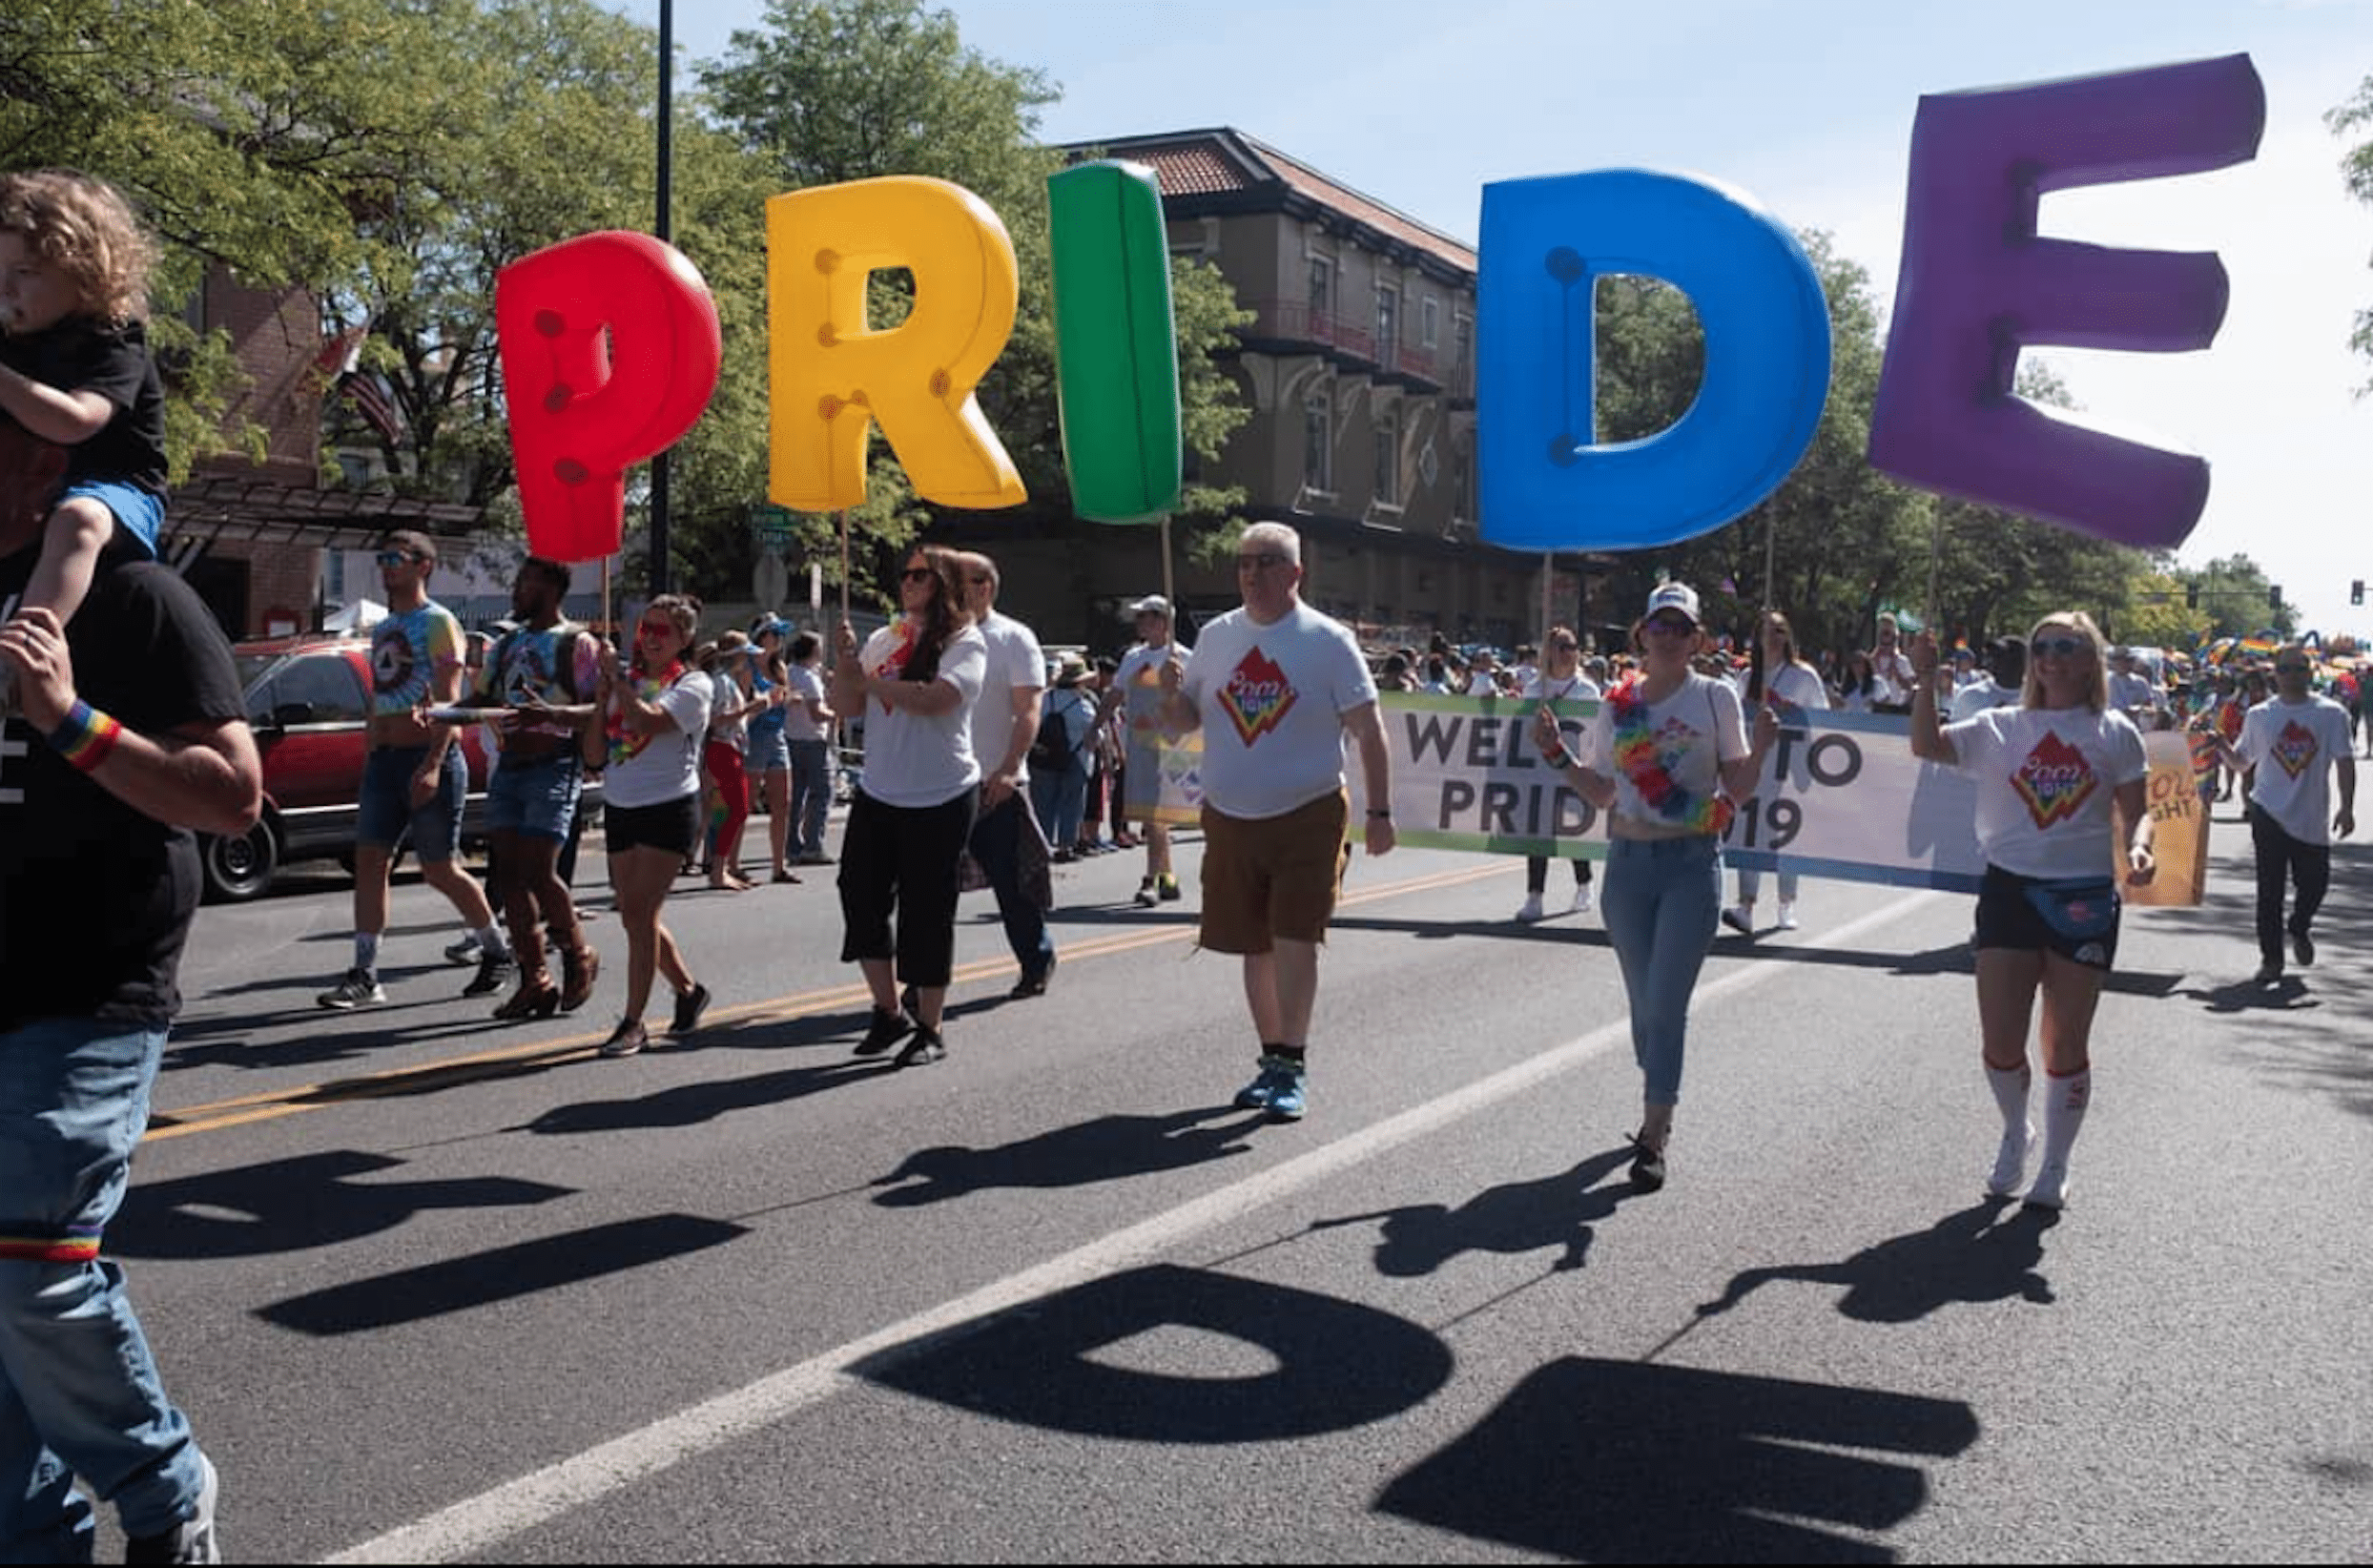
<point x="2048" y="774"/>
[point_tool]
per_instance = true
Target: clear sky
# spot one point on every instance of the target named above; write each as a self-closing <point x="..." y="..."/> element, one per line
<point x="1809" y="105"/>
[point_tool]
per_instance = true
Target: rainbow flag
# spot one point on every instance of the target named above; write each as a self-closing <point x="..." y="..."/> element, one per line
<point x="2263" y="647"/>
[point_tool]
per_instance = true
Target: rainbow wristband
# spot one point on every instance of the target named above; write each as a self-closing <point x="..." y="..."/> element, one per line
<point x="86" y="736"/>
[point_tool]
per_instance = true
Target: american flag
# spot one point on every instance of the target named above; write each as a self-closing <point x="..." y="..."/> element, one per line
<point x="341" y="364"/>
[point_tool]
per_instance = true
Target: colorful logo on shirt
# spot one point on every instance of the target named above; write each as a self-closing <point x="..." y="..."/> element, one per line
<point x="894" y="663"/>
<point x="1257" y="696"/>
<point x="2055" y="781"/>
<point x="2295" y="748"/>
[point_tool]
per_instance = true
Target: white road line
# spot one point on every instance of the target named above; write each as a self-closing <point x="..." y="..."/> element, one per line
<point x="472" y="1526"/>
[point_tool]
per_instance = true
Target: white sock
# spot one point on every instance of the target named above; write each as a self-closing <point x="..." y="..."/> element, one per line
<point x="366" y="952"/>
<point x="2064" y="1104"/>
<point x="2019" y="1134"/>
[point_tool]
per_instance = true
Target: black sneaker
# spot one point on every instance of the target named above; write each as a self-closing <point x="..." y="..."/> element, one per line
<point x="1033" y="985"/>
<point x="689" y="1006"/>
<point x="887" y="1030"/>
<point x="192" y="1540"/>
<point x="2304" y="949"/>
<point x="360" y="988"/>
<point x="925" y="1048"/>
<point x="1647" y="1167"/>
<point x="495" y="971"/>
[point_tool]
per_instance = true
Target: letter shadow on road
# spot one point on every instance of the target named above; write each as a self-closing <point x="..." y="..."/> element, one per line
<point x="1624" y="1461"/>
<point x="1589" y="1459"/>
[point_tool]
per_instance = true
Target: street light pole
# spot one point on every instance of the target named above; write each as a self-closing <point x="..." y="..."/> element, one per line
<point x="666" y="140"/>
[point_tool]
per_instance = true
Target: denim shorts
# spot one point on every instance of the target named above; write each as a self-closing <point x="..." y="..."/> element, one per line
<point x="770" y="749"/>
<point x="385" y="812"/>
<point x="141" y="514"/>
<point x="534" y="796"/>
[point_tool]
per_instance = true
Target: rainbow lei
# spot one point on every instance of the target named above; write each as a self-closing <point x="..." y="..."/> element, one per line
<point x="1637" y="756"/>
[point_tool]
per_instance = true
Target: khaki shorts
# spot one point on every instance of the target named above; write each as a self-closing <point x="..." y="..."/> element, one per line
<point x="1273" y="876"/>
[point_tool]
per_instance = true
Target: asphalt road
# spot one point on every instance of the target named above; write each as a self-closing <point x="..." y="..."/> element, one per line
<point x="437" y="1287"/>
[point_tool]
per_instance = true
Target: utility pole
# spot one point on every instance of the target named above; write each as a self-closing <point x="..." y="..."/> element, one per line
<point x="666" y="148"/>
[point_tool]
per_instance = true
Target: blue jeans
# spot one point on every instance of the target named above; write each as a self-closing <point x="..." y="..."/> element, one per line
<point x="1751" y="883"/>
<point x="79" y="1392"/>
<point x="997" y="844"/>
<point x="1663" y="898"/>
<point x="811" y="794"/>
<point x="1060" y="801"/>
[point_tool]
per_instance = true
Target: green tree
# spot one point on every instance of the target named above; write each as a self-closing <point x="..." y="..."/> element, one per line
<point x="2351" y="118"/>
<point x="824" y="91"/>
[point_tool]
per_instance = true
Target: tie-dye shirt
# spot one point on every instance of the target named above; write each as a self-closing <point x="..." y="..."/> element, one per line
<point x="408" y="652"/>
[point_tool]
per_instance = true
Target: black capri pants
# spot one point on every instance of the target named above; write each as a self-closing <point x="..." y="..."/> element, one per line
<point x="899" y="863"/>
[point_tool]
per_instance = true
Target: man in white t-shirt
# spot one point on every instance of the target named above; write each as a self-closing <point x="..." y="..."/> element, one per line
<point x="2000" y="684"/>
<point x="1275" y="686"/>
<point x="1004" y="722"/>
<point x="2131" y="690"/>
<point x="2304" y="736"/>
<point x="1140" y="665"/>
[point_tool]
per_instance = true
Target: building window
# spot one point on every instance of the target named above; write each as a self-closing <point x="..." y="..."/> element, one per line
<point x="1389" y="458"/>
<point x="1318" y="441"/>
<point x="1322" y="288"/>
<point x="1429" y="320"/>
<point x="1463" y="504"/>
<point x="1388" y="326"/>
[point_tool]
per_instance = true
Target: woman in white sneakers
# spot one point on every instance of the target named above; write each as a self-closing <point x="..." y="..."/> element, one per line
<point x="2048" y="772"/>
<point x="1777" y="678"/>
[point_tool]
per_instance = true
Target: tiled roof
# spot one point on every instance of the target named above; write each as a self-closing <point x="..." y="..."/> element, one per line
<point x="1222" y="161"/>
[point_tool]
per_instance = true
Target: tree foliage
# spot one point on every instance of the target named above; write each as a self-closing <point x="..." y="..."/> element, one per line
<point x="2353" y="118"/>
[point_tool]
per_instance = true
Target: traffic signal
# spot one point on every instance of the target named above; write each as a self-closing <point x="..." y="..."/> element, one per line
<point x="2191" y="596"/>
<point x="2274" y="598"/>
<point x="2356" y="591"/>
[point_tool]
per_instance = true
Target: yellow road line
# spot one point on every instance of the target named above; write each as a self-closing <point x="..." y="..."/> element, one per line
<point x="270" y="1104"/>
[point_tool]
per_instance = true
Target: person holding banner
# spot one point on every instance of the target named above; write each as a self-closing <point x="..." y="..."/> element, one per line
<point x="1558" y="678"/>
<point x="1275" y="686"/>
<point x="1779" y="680"/>
<point x="1664" y="757"/>
<point x="2048" y="911"/>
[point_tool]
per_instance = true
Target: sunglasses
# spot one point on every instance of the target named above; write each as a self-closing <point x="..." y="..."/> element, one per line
<point x="399" y="558"/>
<point x="2290" y="668"/>
<point x="2058" y="647"/>
<point x="1671" y="626"/>
<point x="919" y="574"/>
<point x="657" y="628"/>
<point x="1561" y="648"/>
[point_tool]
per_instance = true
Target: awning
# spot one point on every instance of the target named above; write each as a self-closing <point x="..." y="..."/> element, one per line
<point x="219" y="508"/>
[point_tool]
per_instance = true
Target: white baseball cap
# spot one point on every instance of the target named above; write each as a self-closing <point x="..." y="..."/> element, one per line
<point x="1680" y="596"/>
<point x="1152" y="604"/>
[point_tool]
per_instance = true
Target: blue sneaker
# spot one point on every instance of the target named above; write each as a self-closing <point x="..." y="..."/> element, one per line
<point x="1257" y="1094"/>
<point x="1287" y="1100"/>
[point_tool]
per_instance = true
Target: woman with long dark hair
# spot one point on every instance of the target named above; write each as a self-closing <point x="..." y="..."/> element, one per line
<point x="915" y="682"/>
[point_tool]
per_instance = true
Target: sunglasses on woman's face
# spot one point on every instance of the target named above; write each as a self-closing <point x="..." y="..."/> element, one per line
<point x="917" y="574"/>
<point x="2058" y="647"/>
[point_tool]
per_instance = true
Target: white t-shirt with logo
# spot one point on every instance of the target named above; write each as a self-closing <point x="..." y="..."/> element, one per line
<point x="2046" y="780"/>
<point x="654" y="769"/>
<point x="2292" y="746"/>
<point x="1575" y="688"/>
<point x="921" y="759"/>
<point x="1798" y="686"/>
<point x="1980" y="694"/>
<point x="1016" y="663"/>
<point x="1272" y="699"/>
<point x="1695" y="731"/>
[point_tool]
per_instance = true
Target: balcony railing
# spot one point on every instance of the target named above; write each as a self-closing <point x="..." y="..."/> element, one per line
<point x="1295" y="321"/>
